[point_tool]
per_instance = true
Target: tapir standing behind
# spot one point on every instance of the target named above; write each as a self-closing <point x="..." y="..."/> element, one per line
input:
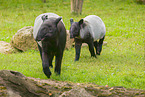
<point x="88" y="30"/>
<point x="50" y="35"/>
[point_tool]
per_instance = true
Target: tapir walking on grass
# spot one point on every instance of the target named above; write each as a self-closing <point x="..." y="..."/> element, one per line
<point x="50" y="35"/>
<point x="88" y="30"/>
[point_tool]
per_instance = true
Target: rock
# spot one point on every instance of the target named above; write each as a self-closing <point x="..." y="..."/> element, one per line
<point x="6" y="48"/>
<point x="69" y="41"/>
<point x="23" y="39"/>
<point x="76" y="92"/>
<point x="104" y="43"/>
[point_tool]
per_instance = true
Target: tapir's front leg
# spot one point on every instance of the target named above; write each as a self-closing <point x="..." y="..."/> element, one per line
<point x="58" y="61"/>
<point x="50" y="60"/>
<point x="45" y="63"/>
<point x="78" y="50"/>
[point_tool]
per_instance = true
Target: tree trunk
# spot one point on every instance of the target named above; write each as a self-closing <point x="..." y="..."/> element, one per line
<point x="44" y="1"/>
<point x="76" y="6"/>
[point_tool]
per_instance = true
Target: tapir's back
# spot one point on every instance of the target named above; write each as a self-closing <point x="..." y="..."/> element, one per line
<point x="96" y="26"/>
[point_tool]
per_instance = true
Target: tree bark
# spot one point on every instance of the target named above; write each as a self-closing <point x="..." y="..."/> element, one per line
<point x="76" y="6"/>
<point x="44" y="1"/>
<point x="15" y="84"/>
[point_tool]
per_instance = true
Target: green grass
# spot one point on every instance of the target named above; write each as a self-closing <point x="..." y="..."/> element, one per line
<point x="121" y="62"/>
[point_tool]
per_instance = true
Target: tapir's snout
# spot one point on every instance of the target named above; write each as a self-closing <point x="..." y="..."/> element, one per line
<point x="38" y="38"/>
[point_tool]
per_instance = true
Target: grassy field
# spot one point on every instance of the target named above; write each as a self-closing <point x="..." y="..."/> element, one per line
<point x="121" y="62"/>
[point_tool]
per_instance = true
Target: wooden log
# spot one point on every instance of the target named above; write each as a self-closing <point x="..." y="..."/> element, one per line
<point x="15" y="84"/>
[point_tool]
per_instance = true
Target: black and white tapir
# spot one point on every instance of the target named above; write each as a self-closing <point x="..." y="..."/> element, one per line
<point x="50" y="35"/>
<point x="88" y="30"/>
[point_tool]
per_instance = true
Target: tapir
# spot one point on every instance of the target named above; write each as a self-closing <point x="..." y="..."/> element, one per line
<point x="50" y="35"/>
<point x="88" y="30"/>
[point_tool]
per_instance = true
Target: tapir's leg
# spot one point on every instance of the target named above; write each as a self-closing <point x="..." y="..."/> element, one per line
<point x="96" y="46"/>
<point x="78" y="50"/>
<point x="58" y="61"/>
<point x="50" y="60"/>
<point x="45" y="63"/>
<point x="91" y="48"/>
<point x="100" y="45"/>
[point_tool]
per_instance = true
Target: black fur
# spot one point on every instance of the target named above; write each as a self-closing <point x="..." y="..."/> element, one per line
<point x="52" y="34"/>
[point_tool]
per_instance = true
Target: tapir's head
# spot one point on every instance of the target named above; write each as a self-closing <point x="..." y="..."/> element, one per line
<point x="48" y="29"/>
<point x="75" y="28"/>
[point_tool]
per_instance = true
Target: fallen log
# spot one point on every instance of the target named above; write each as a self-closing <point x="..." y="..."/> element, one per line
<point x="15" y="84"/>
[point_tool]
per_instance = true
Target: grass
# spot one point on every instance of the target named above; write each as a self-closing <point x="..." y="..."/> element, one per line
<point x="121" y="62"/>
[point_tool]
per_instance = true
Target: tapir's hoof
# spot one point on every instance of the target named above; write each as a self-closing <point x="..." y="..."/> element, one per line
<point x="48" y="76"/>
<point x="93" y="56"/>
<point x="47" y="73"/>
<point x="76" y="60"/>
<point x="57" y="72"/>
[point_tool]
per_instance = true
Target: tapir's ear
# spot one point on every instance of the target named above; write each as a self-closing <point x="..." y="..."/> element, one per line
<point x="71" y="21"/>
<point x="81" y="21"/>
<point x="44" y="17"/>
<point x="57" y="20"/>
